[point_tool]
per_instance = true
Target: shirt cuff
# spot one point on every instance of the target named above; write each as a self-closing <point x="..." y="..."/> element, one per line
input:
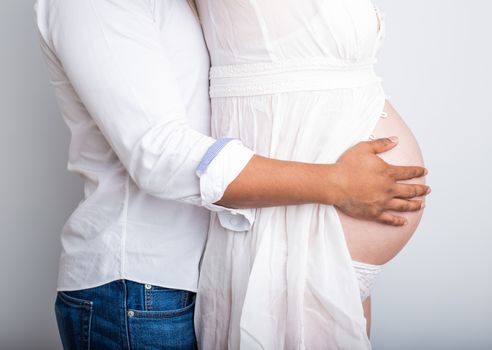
<point x="221" y="164"/>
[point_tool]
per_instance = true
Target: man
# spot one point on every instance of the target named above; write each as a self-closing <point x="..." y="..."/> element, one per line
<point x="131" y="80"/>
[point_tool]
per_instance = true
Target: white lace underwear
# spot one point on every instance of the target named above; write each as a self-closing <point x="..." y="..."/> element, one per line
<point x="366" y="275"/>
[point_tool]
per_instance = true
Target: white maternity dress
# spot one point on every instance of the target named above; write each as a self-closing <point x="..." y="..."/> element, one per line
<point x="294" y="80"/>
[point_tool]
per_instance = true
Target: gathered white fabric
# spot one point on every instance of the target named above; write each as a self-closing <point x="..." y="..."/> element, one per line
<point x="293" y="80"/>
<point x="366" y="275"/>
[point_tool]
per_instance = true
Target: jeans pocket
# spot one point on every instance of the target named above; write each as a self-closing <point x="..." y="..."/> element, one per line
<point x="73" y="317"/>
<point x="167" y="325"/>
<point x="169" y="302"/>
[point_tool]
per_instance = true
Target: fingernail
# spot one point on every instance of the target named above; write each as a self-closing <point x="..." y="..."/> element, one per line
<point x="429" y="190"/>
<point x="426" y="172"/>
<point x="422" y="206"/>
<point x="393" y="139"/>
<point x="405" y="223"/>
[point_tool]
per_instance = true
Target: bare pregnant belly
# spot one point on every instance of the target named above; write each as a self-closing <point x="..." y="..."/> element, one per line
<point x="375" y="243"/>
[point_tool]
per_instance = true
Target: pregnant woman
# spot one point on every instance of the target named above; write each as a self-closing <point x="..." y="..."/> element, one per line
<point x="294" y="80"/>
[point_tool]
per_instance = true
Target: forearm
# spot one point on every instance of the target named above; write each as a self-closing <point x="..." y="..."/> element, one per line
<point x="268" y="182"/>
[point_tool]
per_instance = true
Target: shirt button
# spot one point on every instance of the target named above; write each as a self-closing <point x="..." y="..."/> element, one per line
<point x="148" y="286"/>
<point x="131" y="313"/>
<point x="234" y="221"/>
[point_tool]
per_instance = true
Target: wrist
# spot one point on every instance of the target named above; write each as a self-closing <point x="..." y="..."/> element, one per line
<point x="332" y="184"/>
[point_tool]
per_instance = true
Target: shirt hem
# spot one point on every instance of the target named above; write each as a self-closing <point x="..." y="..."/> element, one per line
<point x="62" y="288"/>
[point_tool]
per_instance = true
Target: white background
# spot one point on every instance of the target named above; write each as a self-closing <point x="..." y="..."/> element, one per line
<point x="436" y="65"/>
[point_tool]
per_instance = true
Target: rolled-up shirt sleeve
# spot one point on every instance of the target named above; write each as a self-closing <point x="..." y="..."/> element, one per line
<point x="113" y="56"/>
<point x="224" y="154"/>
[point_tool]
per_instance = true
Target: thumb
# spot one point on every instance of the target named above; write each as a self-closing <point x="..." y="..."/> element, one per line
<point x="384" y="144"/>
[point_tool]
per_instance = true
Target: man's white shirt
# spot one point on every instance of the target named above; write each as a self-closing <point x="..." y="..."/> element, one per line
<point x="131" y="81"/>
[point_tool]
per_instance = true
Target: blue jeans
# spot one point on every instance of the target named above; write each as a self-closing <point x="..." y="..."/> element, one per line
<point x="126" y="315"/>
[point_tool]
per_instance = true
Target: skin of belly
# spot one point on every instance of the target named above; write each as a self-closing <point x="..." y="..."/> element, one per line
<point x="375" y="243"/>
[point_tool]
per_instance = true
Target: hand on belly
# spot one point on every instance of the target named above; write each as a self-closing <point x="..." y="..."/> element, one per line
<point x="375" y="243"/>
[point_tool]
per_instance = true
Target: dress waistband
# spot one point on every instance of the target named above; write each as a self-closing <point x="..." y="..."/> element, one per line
<point x="288" y="76"/>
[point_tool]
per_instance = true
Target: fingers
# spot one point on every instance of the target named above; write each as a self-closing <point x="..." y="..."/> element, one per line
<point x="408" y="191"/>
<point x="408" y="172"/>
<point x="392" y="220"/>
<point x="405" y="205"/>
<point x="401" y="206"/>
<point x="384" y="144"/>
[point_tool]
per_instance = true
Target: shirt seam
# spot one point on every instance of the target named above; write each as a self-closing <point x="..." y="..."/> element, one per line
<point x="124" y="230"/>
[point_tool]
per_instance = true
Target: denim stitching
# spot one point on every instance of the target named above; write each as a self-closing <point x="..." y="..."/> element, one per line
<point x="88" y="330"/>
<point x="148" y="299"/>
<point x="125" y="317"/>
<point x="184" y="299"/>
<point x="163" y="314"/>
<point x="71" y="301"/>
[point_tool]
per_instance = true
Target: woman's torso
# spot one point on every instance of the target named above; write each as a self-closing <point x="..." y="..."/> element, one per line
<point x="293" y="80"/>
<point x="243" y="32"/>
<point x="334" y="41"/>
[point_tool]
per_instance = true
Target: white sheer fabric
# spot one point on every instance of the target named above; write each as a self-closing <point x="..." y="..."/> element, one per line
<point x="293" y="80"/>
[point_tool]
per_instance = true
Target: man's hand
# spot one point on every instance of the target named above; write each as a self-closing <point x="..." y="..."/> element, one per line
<point x="368" y="186"/>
